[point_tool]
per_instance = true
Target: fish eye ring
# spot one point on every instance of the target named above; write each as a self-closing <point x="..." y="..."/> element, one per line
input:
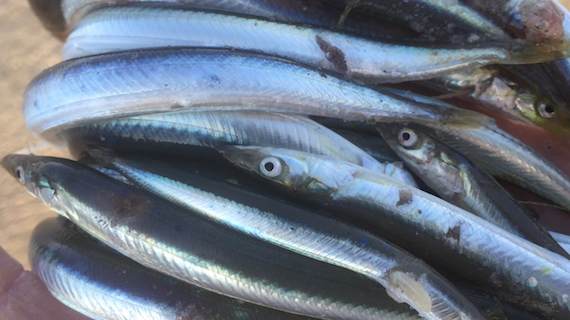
<point x="20" y="175"/>
<point x="407" y="137"/>
<point x="546" y="110"/>
<point x="271" y="167"/>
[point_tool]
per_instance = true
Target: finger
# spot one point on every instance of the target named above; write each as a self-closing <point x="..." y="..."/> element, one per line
<point x="24" y="296"/>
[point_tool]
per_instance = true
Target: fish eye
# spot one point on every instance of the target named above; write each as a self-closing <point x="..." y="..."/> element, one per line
<point x="407" y="137"/>
<point x="270" y="167"/>
<point x="20" y="175"/>
<point x="546" y="110"/>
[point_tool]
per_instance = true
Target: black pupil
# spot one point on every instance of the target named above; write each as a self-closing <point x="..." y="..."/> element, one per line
<point x="18" y="173"/>
<point x="269" y="166"/>
<point x="405" y="136"/>
<point x="548" y="109"/>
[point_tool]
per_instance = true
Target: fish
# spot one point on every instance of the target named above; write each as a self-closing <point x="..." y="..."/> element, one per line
<point x="99" y="282"/>
<point x="404" y="276"/>
<point x="198" y="133"/>
<point x="182" y="244"/>
<point x="61" y="16"/>
<point x="506" y="157"/>
<point x="447" y="237"/>
<point x="462" y="183"/>
<point x="496" y="151"/>
<point x="435" y="19"/>
<point x="501" y="91"/>
<point x="131" y="83"/>
<point x="371" y="61"/>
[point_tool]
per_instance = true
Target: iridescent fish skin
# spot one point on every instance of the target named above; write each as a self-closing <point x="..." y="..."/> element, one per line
<point x="442" y="234"/>
<point x="507" y="94"/>
<point x="206" y="79"/>
<point x="97" y="281"/>
<point x="403" y="275"/>
<point x="371" y="61"/>
<point x="504" y="156"/>
<point x="198" y="133"/>
<point x="462" y="183"/>
<point x="156" y="233"/>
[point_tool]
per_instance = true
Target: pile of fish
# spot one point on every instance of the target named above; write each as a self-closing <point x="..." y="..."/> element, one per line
<point x="258" y="159"/>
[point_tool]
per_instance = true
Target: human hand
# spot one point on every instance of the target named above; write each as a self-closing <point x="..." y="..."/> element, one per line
<point x="24" y="296"/>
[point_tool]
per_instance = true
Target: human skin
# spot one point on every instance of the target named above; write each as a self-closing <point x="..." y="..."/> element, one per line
<point x="24" y="296"/>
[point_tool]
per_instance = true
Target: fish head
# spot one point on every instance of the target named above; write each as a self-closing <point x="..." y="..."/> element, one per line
<point x="296" y="170"/>
<point x="409" y="143"/>
<point x="549" y="116"/>
<point x="32" y="172"/>
<point x="273" y="164"/>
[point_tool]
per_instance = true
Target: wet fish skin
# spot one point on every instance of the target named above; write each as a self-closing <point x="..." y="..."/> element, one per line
<point x="106" y="284"/>
<point x="155" y="233"/>
<point x="519" y="271"/>
<point x="508" y="94"/>
<point x="318" y="13"/>
<point x="505" y="156"/>
<point x="128" y="28"/>
<point x="460" y="182"/>
<point x="198" y="133"/>
<point x="205" y="79"/>
<point x="300" y="231"/>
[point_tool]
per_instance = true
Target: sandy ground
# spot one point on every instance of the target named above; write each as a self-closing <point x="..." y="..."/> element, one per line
<point x="26" y="50"/>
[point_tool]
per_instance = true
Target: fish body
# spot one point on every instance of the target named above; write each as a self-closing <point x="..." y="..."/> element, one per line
<point x="506" y="157"/>
<point x="195" y="133"/>
<point x="374" y="61"/>
<point x="442" y="234"/>
<point x="300" y="231"/>
<point x="435" y="19"/>
<point x="508" y="94"/>
<point x="97" y="281"/>
<point x="170" y="79"/>
<point x="459" y="181"/>
<point x="156" y="234"/>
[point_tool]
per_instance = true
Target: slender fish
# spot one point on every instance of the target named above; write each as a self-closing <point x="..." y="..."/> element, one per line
<point x="441" y="233"/>
<point x="196" y="133"/>
<point x="404" y="276"/>
<point x="508" y="94"/>
<point x="126" y="28"/>
<point x="184" y="245"/>
<point x="498" y="153"/>
<point x="506" y="157"/>
<point x="60" y="16"/>
<point x="99" y="282"/>
<point x="460" y="182"/>
<point x="109" y="86"/>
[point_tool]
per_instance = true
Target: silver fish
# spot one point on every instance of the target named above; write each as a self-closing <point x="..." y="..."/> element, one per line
<point x="459" y="181"/>
<point x="190" y="132"/>
<point x="60" y="16"/>
<point x="156" y="233"/>
<point x="498" y="152"/>
<point x="443" y="234"/>
<point x="97" y="281"/>
<point x="405" y="278"/>
<point x="508" y="94"/>
<point x="110" y="86"/>
<point x="127" y="28"/>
